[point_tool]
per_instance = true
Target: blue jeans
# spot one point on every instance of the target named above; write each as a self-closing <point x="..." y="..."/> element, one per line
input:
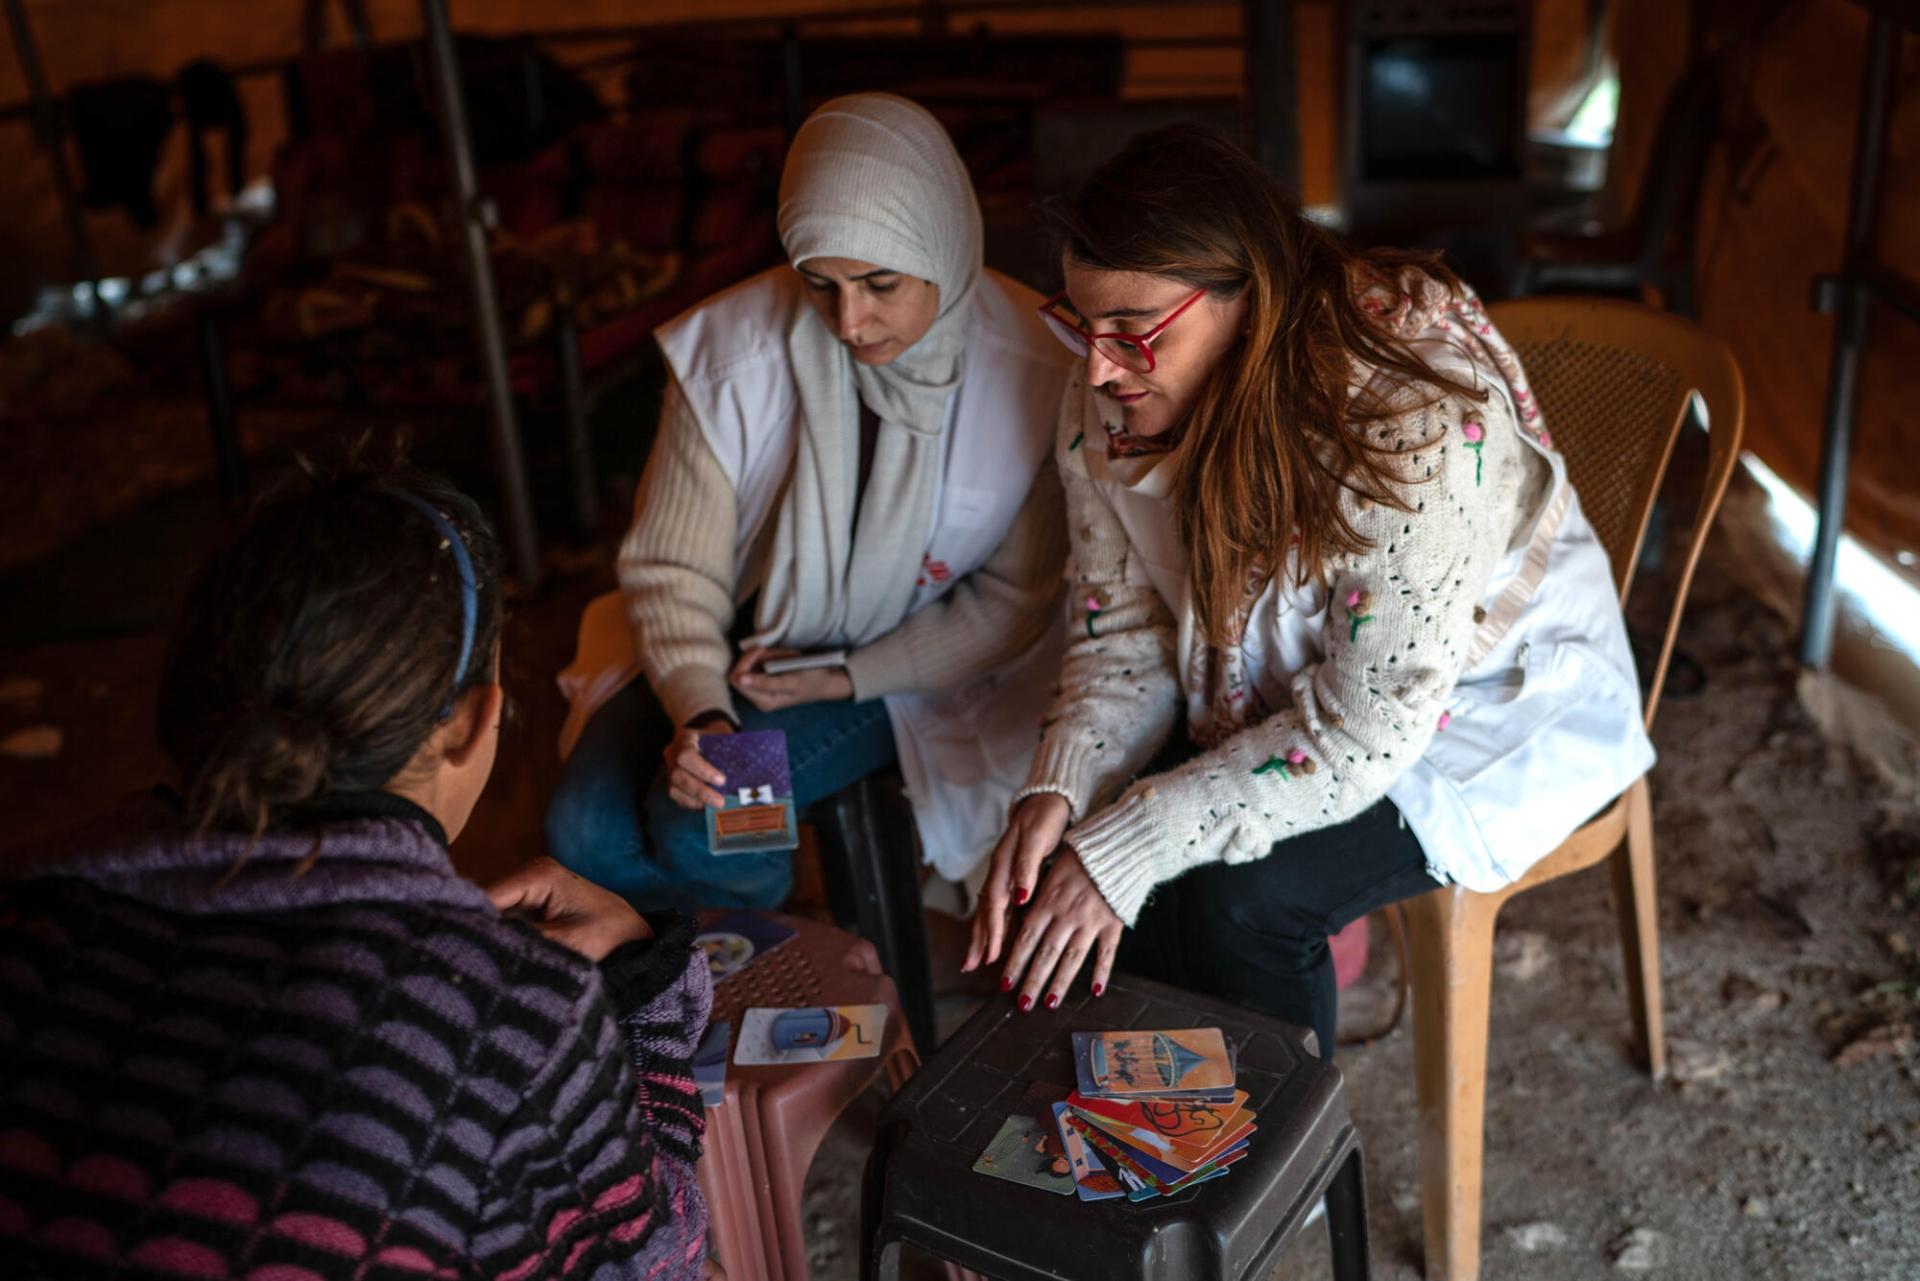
<point x="612" y="821"/>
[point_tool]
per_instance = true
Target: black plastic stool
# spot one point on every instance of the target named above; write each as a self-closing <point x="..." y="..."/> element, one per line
<point x="871" y="864"/>
<point x="921" y="1189"/>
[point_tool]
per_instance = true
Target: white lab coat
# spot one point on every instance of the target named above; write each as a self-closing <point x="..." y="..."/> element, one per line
<point x="1545" y="725"/>
<point x="964" y="751"/>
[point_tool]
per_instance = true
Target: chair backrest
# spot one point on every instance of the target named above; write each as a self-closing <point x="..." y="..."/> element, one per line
<point x="1613" y="381"/>
<point x="1668" y="203"/>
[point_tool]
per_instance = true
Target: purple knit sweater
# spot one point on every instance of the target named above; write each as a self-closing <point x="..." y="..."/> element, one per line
<point x="353" y="1070"/>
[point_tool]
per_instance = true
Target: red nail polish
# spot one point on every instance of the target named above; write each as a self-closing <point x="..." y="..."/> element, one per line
<point x="1021" y="895"/>
<point x="1026" y="1002"/>
<point x="1053" y="1000"/>
<point x="1098" y="988"/>
<point x="1006" y="984"/>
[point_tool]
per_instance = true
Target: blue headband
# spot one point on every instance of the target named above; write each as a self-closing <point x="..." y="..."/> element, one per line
<point x="469" y="591"/>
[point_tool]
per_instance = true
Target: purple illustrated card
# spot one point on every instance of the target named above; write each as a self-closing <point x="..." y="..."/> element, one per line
<point x="759" y="813"/>
<point x="738" y="939"/>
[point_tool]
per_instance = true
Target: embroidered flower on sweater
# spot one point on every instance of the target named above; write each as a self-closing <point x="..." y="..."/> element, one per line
<point x="1095" y="602"/>
<point x="1476" y="434"/>
<point x="1285" y="766"/>
<point x="1359" y="610"/>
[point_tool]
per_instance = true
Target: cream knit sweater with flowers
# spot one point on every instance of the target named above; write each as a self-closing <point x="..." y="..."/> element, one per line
<point x="1393" y="642"/>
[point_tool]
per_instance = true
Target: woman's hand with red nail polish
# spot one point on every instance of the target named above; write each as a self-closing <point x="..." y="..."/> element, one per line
<point x="1034" y="832"/>
<point x="1067" y="922"/>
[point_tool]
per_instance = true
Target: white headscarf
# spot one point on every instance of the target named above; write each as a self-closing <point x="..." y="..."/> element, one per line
<point x="874" y="178"/>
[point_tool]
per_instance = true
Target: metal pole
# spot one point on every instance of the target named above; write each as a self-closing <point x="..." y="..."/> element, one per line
<point x="790" y="65"/>
<point x="1272" y="87"/>
<point x="523" y="543"/>
<point x="230" y="463"/>
<point x="573" y="406"/>
<point x="1850" y="296"/>
<point x="49" y="132"/>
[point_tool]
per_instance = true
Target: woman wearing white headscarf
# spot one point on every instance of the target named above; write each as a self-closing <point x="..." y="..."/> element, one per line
<point x="852" y="454"/>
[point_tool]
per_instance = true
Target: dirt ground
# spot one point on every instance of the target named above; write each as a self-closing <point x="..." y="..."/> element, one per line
<point x="1786" y="1143"/>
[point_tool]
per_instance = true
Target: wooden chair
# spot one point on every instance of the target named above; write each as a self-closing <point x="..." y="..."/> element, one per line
<point x="1614" y="381"/>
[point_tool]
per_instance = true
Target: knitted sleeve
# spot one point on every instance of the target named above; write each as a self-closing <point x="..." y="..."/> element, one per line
<point x="990" y="617"/>
<point x="1399" y="620"/>
<point x="676" y="567"/>
<point x="662" y="990"/>
<point x="579" y="1184"/>
<point x="1119" y="692"/>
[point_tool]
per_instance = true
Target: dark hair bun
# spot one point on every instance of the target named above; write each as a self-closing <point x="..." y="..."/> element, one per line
<point x="262" y="760"/>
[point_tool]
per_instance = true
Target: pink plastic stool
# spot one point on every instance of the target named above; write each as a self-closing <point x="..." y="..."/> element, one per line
<point x="1349" y="948"/>
<point x="761" y="1140"/>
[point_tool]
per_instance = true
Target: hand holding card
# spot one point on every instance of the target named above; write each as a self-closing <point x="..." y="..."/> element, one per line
<point x="757" y="812"/>
<point x="691" y="778"/>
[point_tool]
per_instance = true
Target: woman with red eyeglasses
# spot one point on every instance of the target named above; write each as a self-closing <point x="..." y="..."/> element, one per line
<point x="1314" y="515"/>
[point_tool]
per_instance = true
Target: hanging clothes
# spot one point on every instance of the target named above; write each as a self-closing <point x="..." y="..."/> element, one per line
<point x="119" y="127"/>
<point x="209" y="101"/>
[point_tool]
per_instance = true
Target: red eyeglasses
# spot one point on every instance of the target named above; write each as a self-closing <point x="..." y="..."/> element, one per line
<point x="1129" y="351"/>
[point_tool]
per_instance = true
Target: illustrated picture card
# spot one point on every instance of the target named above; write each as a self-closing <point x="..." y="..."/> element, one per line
<point x="1190" y="1061"/>
<point x="738" y="939"/>
<point x="710" y="1064"/>
<point x="809" y="1034"/>
<point x="759" y="813"/>
<point x="1028" y="1153"/>
<point x="1092" y="1181"/>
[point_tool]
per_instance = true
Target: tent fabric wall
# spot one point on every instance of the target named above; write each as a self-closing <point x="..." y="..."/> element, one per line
<point x="1773" y="212"/>
<point x="103" y="39"/>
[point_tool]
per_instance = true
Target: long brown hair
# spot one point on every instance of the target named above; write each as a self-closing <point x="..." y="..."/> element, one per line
<point x="320" y="646"/>
<point x="1275" y="433"/>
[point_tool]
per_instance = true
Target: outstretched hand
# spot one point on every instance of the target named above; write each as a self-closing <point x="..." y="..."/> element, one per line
<point x="568" y="909"/>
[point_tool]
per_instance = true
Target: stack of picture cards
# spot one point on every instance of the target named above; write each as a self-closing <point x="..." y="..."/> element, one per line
<point x="1155" y="1112"/>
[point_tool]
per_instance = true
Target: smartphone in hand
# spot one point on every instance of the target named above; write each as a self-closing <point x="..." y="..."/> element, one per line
<point x="804" y="662"/>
